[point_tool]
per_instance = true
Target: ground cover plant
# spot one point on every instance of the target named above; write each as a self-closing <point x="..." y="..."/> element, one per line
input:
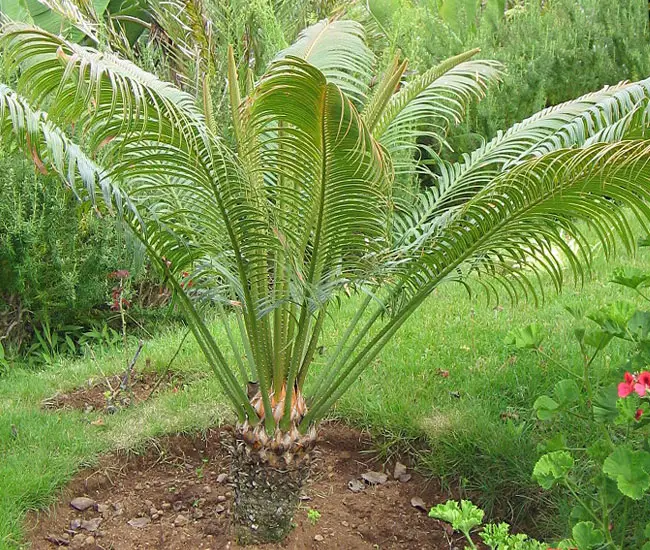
<point x="283" y="228"/>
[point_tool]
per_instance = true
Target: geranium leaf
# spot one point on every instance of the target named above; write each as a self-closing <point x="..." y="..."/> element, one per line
<point x="552" y="467"/>
<point x="586" y="536"/>
<point x="546" y="407"/>
<point x="566" y="392"/>
<point x="630" y="471"/>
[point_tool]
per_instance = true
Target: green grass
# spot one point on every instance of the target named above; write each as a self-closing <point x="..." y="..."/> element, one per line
<point x="402" y="397"/>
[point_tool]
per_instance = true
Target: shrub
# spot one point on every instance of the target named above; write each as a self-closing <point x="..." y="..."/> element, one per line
<point x="55" y="253"/>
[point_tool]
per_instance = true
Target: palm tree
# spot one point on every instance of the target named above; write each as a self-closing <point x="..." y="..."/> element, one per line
<point x="314" y="205"/>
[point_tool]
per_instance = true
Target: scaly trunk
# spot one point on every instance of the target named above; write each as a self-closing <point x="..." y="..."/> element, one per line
<point x="268" y="474"/>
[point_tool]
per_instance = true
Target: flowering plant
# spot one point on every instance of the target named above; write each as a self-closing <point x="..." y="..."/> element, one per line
<point x="606" y="478"/>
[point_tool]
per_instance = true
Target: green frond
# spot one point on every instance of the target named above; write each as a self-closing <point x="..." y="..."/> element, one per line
<point x="427" y="105"/>
<point x="519" y="226"/>
<point x="383" y="92"/>
<point x="512" y="234"/>
<point x="610" y="114"/>
<point x="324" y="173"/>
<point x="338" y="49"/>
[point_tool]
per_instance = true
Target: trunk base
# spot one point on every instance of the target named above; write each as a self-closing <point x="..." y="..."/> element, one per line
<point x="268" y="481"/>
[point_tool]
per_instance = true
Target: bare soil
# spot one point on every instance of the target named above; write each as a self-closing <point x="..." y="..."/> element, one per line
<point x="177" y="496"/>
<point x="94" y="394"/>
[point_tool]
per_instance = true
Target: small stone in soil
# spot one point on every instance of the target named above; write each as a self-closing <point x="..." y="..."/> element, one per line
<point x="399" y="470"/>
<point x="152" y="511"/>
<point x="221" y="498"/>
<point x="59" y="541"/>
<point x="138" y="523"/>
<point x="75" y="524"/>
<point x="345" y="524"/>
<point x="221" y="478"/>
<point x="374" y="478"/>
<point x="178" y="505"/>
<point x="356" y="486"/>
<point x="102" y="508"/>
<point x="198" y="513"/>
<point x="181" y="520"/>
<point x="89" y="541"/>
<point x="207" y="489"/>
<point x="91" y="524"/>
<point x="82" y="503"/>
<point x="404" y="478"/>
<point x="138" y="487"/>
<point x="219" y="509"/>
<point x="148" y="503"/>
<point x="166" y="506"/>
<point x="319" y="538"/>
<point x="418" y="503"/>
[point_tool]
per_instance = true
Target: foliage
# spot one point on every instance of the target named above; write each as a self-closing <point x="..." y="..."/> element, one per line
<point x="55" y="253"/>
<point x="299" y="216"/>
<point x="467" y="517"/>
<point x="553" y="51"/>
<point x="615" y="469"/>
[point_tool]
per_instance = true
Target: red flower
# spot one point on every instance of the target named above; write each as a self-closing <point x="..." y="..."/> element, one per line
<point x="627" y="387"/>
<point x="638" y="414"/>
<point x="643" y="383"/>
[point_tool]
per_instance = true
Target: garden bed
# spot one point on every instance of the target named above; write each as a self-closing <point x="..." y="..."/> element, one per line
<point x="177" y="496"/>
<point x="99" y="394"/>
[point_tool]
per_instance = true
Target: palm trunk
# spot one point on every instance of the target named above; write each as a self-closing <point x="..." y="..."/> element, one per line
<point x="268" y="475"/>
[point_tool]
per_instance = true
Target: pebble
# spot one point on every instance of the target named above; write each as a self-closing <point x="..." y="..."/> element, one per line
<point x="198" y="513"/>
<point x="181" y="520"/>
<point x="75" y="524"/>
<point x="102" y="508"/>
<point x="219" y="509"/>
<point x="319" y="538"/>
<point x="138" y="523"/>
<point x="221" y="498"/>
<point x="148" y="503"/>
<point x="221" y="478"/>
<point x="89" y="541"/>
<point x="91" y="524"/>
<point x="345" y="524"/>
<point x="152" y="511"/>
<point x="82" y="503"/>
<point x="374" y="478"/>
<point x="166" y="506"/>
<point x="138" y="487"/>
<point x="155" y="516"/>
<point x="207" y="489"/>
<point x="400" y="470"/>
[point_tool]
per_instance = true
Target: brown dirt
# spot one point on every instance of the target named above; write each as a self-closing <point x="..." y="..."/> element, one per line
<point x="92" y="396"/>
<point x="178" y="477"/>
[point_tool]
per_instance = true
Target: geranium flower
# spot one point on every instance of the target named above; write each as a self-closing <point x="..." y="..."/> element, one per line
<point x="627" y="387"/>
<point x="643" y="383"/>
<point x="638" y="414"/>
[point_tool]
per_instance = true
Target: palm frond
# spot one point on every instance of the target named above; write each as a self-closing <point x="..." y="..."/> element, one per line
<point x="338" y="49"/>
<point x="429" y="104"/>
<point x="606" y="115"/>
<point x="508" y="233"/>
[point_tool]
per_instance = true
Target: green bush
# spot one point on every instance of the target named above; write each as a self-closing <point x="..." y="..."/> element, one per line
<point x="55" y="253"/>
<point x="553" y="51"/>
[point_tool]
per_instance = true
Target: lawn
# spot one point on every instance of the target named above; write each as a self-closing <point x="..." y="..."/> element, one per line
<point x="447" y="388"/>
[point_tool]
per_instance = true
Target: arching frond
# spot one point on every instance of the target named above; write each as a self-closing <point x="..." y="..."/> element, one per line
<point x="514" y="228"/>
<point x="429" y="104"/>
<point x="507" y="232"/>
<point x="338" y="49"/>
<point x="606" y="115"/>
